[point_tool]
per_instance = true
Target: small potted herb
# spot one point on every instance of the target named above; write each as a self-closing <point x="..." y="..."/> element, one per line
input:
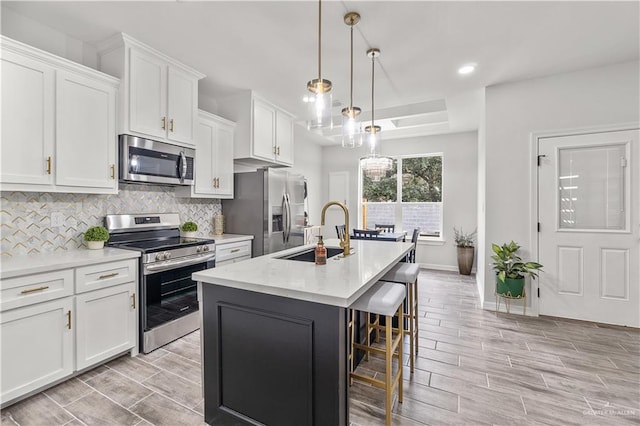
<point x="96" y="236"/>
<point x="466" y="250"/>
<point x="189" y="229"/>
<point x="511" y="270"/>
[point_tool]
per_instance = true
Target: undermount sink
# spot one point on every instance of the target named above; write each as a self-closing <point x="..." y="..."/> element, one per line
<point x="309" y="255"/>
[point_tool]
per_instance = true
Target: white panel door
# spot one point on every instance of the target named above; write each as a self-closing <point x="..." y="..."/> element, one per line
<point x="37" y="346"/>
<point x="106" y="324"/>
<point x="338" y="191"/>
<point x="205" y="157"/>
<point x="224" y="160"/>
<point x="264" y="119"/>
<point x="147" y="94"/>
<point x="27" y="120"/>
<point x="182" y="106"/>
<point x="284" y="138"/>
<point x="589" y="238"/>
<point x="85" y="132"/>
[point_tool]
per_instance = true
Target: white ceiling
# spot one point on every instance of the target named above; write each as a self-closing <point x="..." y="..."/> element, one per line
<point x="271" y="47"/>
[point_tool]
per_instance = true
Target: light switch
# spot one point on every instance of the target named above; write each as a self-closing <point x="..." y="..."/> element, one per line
<point x="57" y="219"/>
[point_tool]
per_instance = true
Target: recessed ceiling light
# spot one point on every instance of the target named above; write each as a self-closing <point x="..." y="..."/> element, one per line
<point x="467" y="69"/>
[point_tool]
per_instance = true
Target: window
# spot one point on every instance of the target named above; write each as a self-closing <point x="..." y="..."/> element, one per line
<point x="409" y="199"/>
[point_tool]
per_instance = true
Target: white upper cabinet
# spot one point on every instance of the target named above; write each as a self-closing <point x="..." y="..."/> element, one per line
<point x="58" y="124"/>
<point x="159" y="95"/>
<point x="214" y="159"/>
<point x="28" y="89"/>
<point x="85" y="132"/>
<point x="264" y="132"/>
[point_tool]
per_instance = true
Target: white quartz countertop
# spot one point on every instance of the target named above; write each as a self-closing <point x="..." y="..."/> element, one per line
<point x="339" y="283"/>
<point x="45" y="262"/>
<point x="230" y="238"/>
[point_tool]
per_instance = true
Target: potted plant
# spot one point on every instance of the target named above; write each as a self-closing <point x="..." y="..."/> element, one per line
<point x="466" y="249"/>
<point x="95" y="237"/>
<point x="189" y="229"/>
<point x="511" y="270"/>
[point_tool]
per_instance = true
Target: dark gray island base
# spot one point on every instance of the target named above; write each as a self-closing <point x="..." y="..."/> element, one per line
<point x="272" y="360"/>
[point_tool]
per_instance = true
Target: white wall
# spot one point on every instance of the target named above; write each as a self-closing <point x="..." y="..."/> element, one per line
<point x="43" y="37"/>
<point x="459" y="185"/>
<point x="587" y="98"/>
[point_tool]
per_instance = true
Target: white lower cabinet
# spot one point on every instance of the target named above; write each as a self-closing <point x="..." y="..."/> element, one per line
<point x="227" y="253"/>
<point x="105" y="324"/>
<point x="48" y="332"/>
<point x="37" y="346"/>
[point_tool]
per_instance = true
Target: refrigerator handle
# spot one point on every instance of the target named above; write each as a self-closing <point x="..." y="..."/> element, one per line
<point x="288" y="217"/>
<point x="285" y="220"/>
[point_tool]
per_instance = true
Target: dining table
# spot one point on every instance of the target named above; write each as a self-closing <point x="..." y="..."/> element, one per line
<point x="383" y="236"/>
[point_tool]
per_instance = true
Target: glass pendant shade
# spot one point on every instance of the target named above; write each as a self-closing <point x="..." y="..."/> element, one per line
<point x="319" y="110"/>
<point x="351" y="128"/>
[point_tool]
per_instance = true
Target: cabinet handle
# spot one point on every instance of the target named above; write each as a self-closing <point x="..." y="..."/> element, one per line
<point x="213" y="182"/>
<point x="49" y="165"/>
<point x="171" y="125"/>
<point x="113" y="274"/>
<point x="274" y="150"/>
<point x="113" y="171"/>
<point x="164" y="123"/>
<point x="69" y="319"/>
<point x="133" y="301"/>
<point x="217" y="182"/>
<point x="235" y="250"/>
<point x="32" y="290"/>
<point x="278" y="151"/>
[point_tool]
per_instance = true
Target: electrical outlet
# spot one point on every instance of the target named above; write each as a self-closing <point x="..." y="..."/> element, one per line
<point x="57" y="219"/>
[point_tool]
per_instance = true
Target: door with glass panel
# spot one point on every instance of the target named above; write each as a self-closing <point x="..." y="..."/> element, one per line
<point x="588" y="188"/>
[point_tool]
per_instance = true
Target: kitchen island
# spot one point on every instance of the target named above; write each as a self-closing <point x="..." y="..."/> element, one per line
<point x="274" y="334"/>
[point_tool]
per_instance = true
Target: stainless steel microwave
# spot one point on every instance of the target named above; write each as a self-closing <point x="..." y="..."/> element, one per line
<point x="148" y="161"/>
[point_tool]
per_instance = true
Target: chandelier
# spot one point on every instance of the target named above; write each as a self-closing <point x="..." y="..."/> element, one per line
<point x="374" y="166"/>
<point x="351" y="130"/>
<point x="319" y="98"/>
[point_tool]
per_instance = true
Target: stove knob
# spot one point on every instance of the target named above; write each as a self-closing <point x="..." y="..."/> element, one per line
<point x="198" y="249"/>
<point x="159" y="257"/>
<point x="205" y="248"/>
<point x="167" y="255"/>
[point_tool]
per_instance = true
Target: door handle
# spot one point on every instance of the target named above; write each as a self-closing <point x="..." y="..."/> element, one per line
<point x="171" y="125"/>
<point x="164" y="123"/>
<point x="133" y="301"/>
<point x="69" y="319"/>
<point x="182" y="167"/>
<point x="284" y="218"/>
<point x="113" y="171"/>
<point x="49" y="165"/>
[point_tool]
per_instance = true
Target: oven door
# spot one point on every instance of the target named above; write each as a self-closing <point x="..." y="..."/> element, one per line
<point x="148" y="161"/>
<point x="169" y="294"/>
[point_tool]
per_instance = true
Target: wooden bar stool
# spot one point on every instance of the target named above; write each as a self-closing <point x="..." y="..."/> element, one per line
<point x="385" y="299"/>
<point x="407" y="273"/>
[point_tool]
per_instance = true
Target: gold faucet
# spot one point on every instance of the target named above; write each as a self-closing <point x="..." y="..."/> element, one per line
<point x="344" y="242"/>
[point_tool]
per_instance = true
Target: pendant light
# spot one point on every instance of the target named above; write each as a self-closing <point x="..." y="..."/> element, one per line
<point x="319" y="100"/>
<point x="374" y="166"/>
<point x="351" y="129"/>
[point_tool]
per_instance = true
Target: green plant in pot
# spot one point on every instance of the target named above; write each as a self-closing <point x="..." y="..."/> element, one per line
<point x="96" y="236"/>
<point x="511" y="270"/>
<point x="466" y="250"/>
<point x="189" y="229"/>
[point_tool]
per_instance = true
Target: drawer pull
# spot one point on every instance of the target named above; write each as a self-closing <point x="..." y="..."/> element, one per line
<point x="235" y="250"/>
<point x="102" y="277"/>
<point x="33" y="290"/>
<point x="133" y="301"/>
<point x="69" y="319"/>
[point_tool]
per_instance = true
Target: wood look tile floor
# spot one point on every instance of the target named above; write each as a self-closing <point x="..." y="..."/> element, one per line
<point x="473" y="368"/>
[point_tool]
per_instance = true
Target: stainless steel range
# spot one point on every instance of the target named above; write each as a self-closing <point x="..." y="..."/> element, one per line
<point x="168" y="295"/>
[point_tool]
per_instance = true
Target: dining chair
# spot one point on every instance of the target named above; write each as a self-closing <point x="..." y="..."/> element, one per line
<point x="365" y="233"/>
<point x="386" y="228"/>
<point x="341" y="230"/>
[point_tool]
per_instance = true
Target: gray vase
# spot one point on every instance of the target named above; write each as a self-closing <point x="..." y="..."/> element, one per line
<point x="465" y="259"/>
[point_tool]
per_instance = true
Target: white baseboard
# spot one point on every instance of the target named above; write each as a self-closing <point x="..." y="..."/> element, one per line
<point x="434" y="266"/>
<point x="516" y="307"/>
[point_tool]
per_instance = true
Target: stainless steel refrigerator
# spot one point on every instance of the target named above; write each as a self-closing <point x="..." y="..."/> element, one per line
<point x="270" y="205"/>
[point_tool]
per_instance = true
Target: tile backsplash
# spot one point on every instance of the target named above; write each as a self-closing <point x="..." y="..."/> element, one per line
<point x="25" y="217"/>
